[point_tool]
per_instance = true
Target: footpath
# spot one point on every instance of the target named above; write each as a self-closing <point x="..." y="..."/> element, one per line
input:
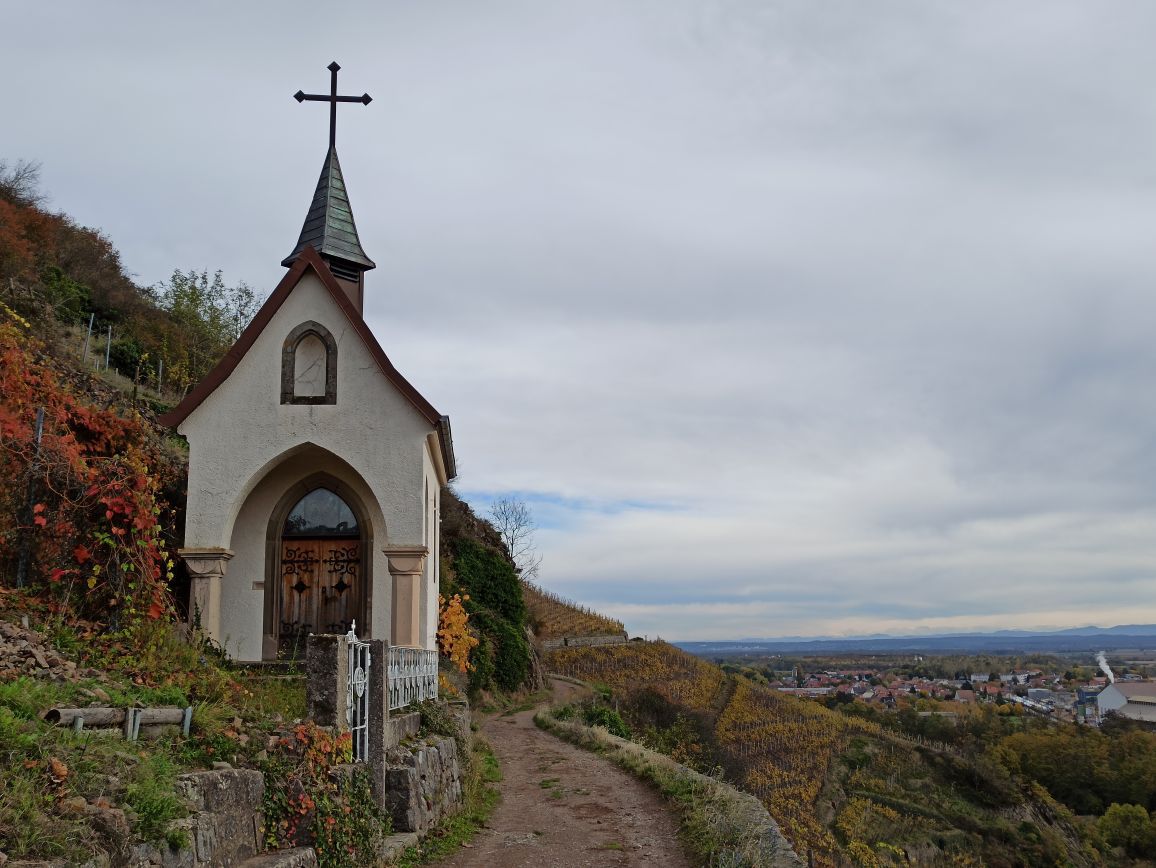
<point x="563" y="806"/>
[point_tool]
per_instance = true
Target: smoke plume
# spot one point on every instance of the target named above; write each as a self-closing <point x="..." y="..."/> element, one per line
<point x="1103" y="661"/>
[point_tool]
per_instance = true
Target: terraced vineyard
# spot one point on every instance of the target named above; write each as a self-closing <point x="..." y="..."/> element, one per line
<point x="842" y="790"/>
<point x="785" y="747"/>
<point x="554" y="617"/>
<point x="669" y="671"/>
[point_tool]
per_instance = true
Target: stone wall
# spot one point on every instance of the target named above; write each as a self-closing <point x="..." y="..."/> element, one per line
<point x="423" y="783"/>
<point x="224" y="826"/>
<point x="585" y="641"/>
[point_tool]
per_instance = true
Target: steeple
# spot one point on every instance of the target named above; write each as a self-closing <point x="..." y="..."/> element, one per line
<point x="329" y="227"/>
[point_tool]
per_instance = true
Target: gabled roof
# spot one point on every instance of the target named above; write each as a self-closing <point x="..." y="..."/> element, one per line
<point x="308" y="259"/>
<point x="329" y="227"/>
<point x="1138" y="691"/>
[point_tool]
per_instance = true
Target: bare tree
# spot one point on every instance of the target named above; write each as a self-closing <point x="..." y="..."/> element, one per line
<point x="20" y="183"/>
<point x="515" y="523"/>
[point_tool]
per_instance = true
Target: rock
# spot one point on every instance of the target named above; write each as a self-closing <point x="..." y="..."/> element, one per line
<point x="112" y="825"/>
<point x="226" y="827"/>
<point x="301" y="857"/>
<point x="73" y="805"/>
<point x="220" y="766"/>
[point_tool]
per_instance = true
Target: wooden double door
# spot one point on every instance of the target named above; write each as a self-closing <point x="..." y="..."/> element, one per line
<point x="321" y="590"/>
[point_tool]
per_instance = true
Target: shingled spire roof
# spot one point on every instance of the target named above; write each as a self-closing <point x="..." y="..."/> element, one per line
<point x="329" y="228"/>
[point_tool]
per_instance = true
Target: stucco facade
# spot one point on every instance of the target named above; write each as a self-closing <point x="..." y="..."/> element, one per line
<point x="269" y="425"/>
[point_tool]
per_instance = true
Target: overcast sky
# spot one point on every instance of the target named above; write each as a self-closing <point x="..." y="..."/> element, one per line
<point x="786" y="318"/>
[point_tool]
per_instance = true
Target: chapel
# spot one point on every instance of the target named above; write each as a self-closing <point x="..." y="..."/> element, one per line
<point x="315" y="467"/>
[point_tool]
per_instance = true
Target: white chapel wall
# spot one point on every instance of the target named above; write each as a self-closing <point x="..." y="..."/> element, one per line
<point x="430" y="579"/>
<point x="247" y="578"/>
<point x="242" y="428"/>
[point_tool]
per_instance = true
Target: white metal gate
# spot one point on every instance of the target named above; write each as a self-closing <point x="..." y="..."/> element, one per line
<point x="357" y="694"/>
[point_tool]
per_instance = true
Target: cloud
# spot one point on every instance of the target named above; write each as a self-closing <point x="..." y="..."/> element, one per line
<point x="785" y="318"/>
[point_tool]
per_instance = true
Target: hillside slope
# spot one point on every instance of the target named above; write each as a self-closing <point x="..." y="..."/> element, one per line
<point x="554" y="617"/>
<point x="842" y="789"/>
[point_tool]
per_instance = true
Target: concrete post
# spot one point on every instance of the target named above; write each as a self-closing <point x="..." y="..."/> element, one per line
<point x="326" y="679"/>
<point x="379" y="731"/>
<point x="206" y="568"/>
<point x="406" y="565"/>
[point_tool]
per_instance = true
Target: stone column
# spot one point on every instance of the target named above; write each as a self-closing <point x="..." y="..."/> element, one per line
<point x="327" y="680"/>
<point x="379" y="731"/>
<point x="206" y="569"/>
<point x="406" y="565"/>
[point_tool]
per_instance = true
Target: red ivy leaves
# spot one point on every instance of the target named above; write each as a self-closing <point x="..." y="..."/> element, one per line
<point x="94" y="471"/>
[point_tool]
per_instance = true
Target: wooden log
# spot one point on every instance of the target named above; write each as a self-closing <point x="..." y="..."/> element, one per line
<point x="149" y="716"/>
<point x="98" y="717"/>
<point x="93" y="717"/>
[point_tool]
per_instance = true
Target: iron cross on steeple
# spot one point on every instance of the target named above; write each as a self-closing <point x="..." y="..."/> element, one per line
<point x="333" y="99"/>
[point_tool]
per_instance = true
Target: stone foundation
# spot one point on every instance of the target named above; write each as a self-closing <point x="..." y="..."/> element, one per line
<point x="224" y="827"/>
<point x="401" y="727"/>
<point x="423" y="784"/>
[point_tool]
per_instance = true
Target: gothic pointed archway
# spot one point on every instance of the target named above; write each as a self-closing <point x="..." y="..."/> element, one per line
<point x="318" y="566"/>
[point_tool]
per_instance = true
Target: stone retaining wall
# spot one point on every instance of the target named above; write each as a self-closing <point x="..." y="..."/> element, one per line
<point x="423" y="784"/>
<point x="224" y="825"/>
<point x="585" y="641"/>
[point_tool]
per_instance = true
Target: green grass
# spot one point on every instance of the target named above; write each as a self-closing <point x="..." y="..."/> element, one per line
<point x="233" y="714"/>
<point x="152" y="797"/>
<point x="491" y="771"/>
<point x="507" y="704"/>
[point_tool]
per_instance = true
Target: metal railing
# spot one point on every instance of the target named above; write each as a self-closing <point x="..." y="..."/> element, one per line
<point x="413" y="676"/>
<point x="357" y="694"/>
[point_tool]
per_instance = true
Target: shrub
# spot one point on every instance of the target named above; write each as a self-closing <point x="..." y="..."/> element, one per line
<point x="607" y="718"/>
<point x="310" y="798"/>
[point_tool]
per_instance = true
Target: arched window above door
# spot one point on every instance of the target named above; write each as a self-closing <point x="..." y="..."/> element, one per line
<point x="309" y="366"/>
<point x="321" y="513"/>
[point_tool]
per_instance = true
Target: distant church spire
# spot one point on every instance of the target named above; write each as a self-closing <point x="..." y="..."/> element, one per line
<point x="329" y="227"/>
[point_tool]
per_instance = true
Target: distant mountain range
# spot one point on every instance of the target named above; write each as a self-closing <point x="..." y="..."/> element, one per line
<point x="1141" y="637"/>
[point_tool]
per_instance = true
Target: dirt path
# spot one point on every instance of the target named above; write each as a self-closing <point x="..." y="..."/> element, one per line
<point x="562" y="806"/>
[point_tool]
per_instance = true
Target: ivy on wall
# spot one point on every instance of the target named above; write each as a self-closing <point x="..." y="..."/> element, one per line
<point x="82" y="507"/>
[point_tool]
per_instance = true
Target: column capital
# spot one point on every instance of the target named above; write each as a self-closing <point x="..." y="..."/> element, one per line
<point x="406" y="560"/>
<point x="205" y="562"/>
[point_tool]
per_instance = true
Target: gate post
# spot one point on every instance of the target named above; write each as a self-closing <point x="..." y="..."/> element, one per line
<point x="378" y="718"/>
<point x="326" y="680"/>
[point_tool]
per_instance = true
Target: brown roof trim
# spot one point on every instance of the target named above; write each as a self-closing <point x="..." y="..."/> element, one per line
<point x="309" y="259"/>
